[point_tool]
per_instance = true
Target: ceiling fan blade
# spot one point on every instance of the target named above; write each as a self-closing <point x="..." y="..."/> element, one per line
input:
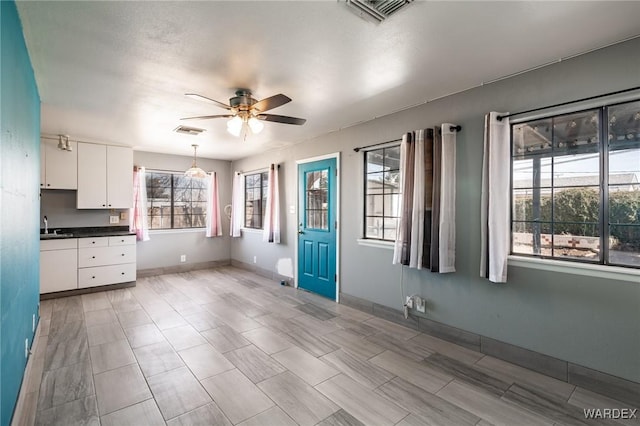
<point x="271" y="102"/>
<point x="204" y="98"/>
<point x="206" y="117"/>
<point x="282" y="119"/>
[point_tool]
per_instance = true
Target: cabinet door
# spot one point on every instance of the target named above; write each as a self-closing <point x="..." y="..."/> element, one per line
<point x="92" y="176"/>
<point x="58" y="270"/>
<point x="42" y="164"/>
<point x="61" y="166"/>
<point x="119" y="177"/>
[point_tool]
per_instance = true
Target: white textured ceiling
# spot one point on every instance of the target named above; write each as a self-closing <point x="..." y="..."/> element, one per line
<point x="117" y="71"/>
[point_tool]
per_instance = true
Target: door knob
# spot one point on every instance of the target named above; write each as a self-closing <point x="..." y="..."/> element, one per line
<point x="300" y="231"/>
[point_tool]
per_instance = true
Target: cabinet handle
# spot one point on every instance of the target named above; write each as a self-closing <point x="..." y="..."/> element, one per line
<point x="122" y="241"/>
<point x="109" y="205"/>
<point x="93" y="242"/>
<point x="93" y="277"/>
<point x="48" y="184"/>
<point x="121" y="273"/>
<point x="103" y="205"/>
<point x="123" y="254"/>
<point x="93" y="257"/>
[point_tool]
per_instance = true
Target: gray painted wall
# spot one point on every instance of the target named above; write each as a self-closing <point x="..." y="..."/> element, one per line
<point x="165" y="247"/>
<point x="585" y="320"/>
<point x="60" y="208"/>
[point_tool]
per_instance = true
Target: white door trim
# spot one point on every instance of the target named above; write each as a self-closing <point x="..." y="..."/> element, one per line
<point x="335" y="155"/>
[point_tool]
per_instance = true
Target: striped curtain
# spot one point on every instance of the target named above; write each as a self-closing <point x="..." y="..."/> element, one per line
<point x="138" y="219"/>
<point x="271" y="226"/>
<point x="494" y="212"/>
<point x="214" y="224"/>
<point x="426" y="228"/>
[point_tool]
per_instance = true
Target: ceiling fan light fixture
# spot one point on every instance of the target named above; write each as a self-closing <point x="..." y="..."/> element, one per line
<point x="255" y="125"/>
<point x="194" y="171"/>
<point x="234" y="126"/>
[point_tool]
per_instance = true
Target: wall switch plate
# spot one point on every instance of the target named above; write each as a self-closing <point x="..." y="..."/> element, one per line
<point x="255" y="259"/>
<point x="183" y="258"/>
<point x="114" y="219"/>
<point x="292" y="209"/>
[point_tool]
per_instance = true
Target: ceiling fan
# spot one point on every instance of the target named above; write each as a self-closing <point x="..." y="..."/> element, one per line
<point x="245" y="111"/>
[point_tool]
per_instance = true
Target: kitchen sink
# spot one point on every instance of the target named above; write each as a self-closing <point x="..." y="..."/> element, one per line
<point x="54" y="236"/>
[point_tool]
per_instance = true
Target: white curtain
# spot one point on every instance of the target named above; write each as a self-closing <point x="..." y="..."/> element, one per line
<point x="237" y="199"/>
<point x="408" y="249"/>
<point x="214" y="224"/>
<point x="271" y="228"/>
<point x="447" y="233"/>
<point x="494" y="214"/>
<point x="138" y="219"/>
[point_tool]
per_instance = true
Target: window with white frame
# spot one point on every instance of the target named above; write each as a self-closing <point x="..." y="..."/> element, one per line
<point x="382" y="192"/>
<point x="175" y="201"/>
<point x="576" y="186"/>
<point x="255" y="199"/>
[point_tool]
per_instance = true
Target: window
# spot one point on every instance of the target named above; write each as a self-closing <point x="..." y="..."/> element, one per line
<point x="576" y="188"/>
<point x="175" y="201"/>
<point x="255" y="199"/>
<point x="382" y="193"/>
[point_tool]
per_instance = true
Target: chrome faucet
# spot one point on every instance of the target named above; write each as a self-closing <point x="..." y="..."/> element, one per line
<point x="46" y="225"/>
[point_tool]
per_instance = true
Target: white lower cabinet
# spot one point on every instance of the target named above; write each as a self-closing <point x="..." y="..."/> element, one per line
<point x="58" y="265"/>
<point x="106" y="260"/>
<point x="73" y="263"/>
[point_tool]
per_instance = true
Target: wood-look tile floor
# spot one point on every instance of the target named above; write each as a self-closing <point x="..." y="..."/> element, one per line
<point x="228" y="347"/>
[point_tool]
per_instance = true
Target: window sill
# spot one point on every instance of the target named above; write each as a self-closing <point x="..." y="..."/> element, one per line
<point x="388" y="245"/>
<point x="599" y="271"/>
<point x="176" y="231"/>
<point x="251" y="230"/>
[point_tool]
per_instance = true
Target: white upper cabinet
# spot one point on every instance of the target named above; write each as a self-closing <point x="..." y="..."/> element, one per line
<point x="58" y="168"/>
<point x="105" y="177"/>
<point x="119" y="177"/>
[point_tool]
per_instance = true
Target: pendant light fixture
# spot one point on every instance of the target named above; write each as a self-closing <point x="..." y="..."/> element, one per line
<point x="194" y="171"/>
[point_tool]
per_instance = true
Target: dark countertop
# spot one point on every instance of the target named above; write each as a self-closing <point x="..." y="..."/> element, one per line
<point x="86" y="232"/>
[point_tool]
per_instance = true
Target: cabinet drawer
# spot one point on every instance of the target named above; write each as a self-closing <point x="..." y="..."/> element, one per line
<point x="104" y="275"/>
<point x="101" y="256"/>
<point x="124" y="240"/>
<point x="62" y="244"/>
<point x="93" y="242"/>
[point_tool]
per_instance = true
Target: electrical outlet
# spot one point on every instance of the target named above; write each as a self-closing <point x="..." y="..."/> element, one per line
<point x="255" y="259"/>
<point x="183" y="258"/>
<point x="409" y="302"/>
<point x="114" y="219"/>
<point x="421" y="305"/>
<point x="123" y="215"/>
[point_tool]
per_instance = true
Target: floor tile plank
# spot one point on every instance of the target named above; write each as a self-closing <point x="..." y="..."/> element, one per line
<point x="237" y="396"/>
<point x="254" y="363"/>
<point x="361" y="402"/>
<point x="300" y="401"/>
<point x="177" y="392"/>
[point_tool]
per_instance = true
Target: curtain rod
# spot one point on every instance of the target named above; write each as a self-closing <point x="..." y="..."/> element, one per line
<point x="357" y="149"/>
<point x="500" y="117"/>
<point x="264" y="169"/>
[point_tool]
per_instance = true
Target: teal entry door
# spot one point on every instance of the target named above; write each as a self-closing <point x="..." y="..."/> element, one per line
<point x="317" y="227"/>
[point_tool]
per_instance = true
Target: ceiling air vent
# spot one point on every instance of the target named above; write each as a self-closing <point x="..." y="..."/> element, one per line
<point x="376" y="10"/>
<point x="186" y="130"/>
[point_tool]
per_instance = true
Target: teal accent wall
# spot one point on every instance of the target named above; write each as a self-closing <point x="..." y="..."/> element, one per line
<point x="19" y="206"/>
